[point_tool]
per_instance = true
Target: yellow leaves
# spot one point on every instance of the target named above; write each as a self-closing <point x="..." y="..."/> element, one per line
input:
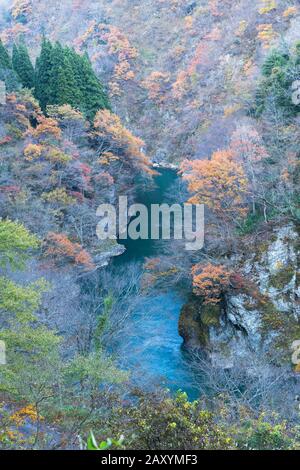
<point x="28" y="412"/>
<point x="242" y="28"/>
<point x="59" y="195"/>
<point x="33" y="152"/>
<point x="266" y="34"/>
<point x="188" y="22"/>
<point x="55" y="155"/>
<point x="267" y="6"/>
<point x="231" y="109"/>
<point x="60" y="113"/>
<point x="290" y="11"/>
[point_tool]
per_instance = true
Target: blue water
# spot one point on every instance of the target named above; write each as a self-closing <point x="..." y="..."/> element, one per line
<point x="153" y="350"/>
<point x="150" y="346"/>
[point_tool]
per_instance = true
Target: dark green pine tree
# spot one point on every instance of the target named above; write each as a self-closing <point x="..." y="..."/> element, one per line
<point x="63" y="83"/>
<point x="64" y="77"/>
<point x="43" y="75"/>
<point x="93" y="95"/>
<point x="22" y="65"/>
<point x="6" y="71"/>
<point x="5" y="61"/>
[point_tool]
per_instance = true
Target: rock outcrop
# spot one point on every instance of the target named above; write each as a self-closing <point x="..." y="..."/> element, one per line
<point x="255" y="319"/>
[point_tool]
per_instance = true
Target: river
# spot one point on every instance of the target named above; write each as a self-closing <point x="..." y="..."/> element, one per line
<point x="151" y="348"/>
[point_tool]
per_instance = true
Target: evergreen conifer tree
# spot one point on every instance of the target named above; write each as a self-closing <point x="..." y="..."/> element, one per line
<point x="22" y="65"/>
<point x="5" y="61"/>
<point x="43" y="75"/>
<point x="6" y="72"/>
<point x="94" y="97"/>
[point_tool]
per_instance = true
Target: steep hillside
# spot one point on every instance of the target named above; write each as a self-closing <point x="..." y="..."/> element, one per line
<point x="180" y="73"/>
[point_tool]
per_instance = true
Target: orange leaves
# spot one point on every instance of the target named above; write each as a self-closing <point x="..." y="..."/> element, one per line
<point x="117" y="42"/>
<point x="123" y="71"/>
<point x="13" y="33"/>
<point x="266" y="34"/>
<point x="157" y="84"/>
<point x="220" y="183"/>
<point x="108" y="126"/>
<point x="46" y="126"/>
<point x="120" y="47"/>
<point x="210" y="282"/>
<point x="61" y="249"/>
<point x="183" y="82"/>
<point x="107" y="158"/>
<point x="200" y="57"/>
<point x="290" y="11"/>
<point x="181" y="86"/>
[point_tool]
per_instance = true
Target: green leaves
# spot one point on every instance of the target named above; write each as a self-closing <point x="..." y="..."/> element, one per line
<point x="279" y="72"/>
<point x="22" y="65"/>
<point x="104" y="445"/>
<point x="15" y="241"/>
<point x="19" y="303"/>
<point x="64" y="77"/>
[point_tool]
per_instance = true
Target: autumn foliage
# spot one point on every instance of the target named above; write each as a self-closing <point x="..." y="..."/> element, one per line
<point x="219" y="183"/>
<point x="108" y="126"/>
<point x="210" y="281"/>
<point x="62" y="249"/>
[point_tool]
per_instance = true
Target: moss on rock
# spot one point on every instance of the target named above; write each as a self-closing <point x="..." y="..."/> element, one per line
<point x="210" y="314"/>
<point x="282" y="277"/>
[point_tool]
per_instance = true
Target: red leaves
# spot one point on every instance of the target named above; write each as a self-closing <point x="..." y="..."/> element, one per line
<point x="62" y="250"/>
<point x="5" y="140"/>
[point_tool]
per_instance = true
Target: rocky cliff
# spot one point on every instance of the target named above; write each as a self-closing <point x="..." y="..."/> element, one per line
<point x="263" y="316"/>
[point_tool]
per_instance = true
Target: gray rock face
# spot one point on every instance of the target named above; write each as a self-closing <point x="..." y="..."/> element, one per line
<point x="247" y="324"/>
